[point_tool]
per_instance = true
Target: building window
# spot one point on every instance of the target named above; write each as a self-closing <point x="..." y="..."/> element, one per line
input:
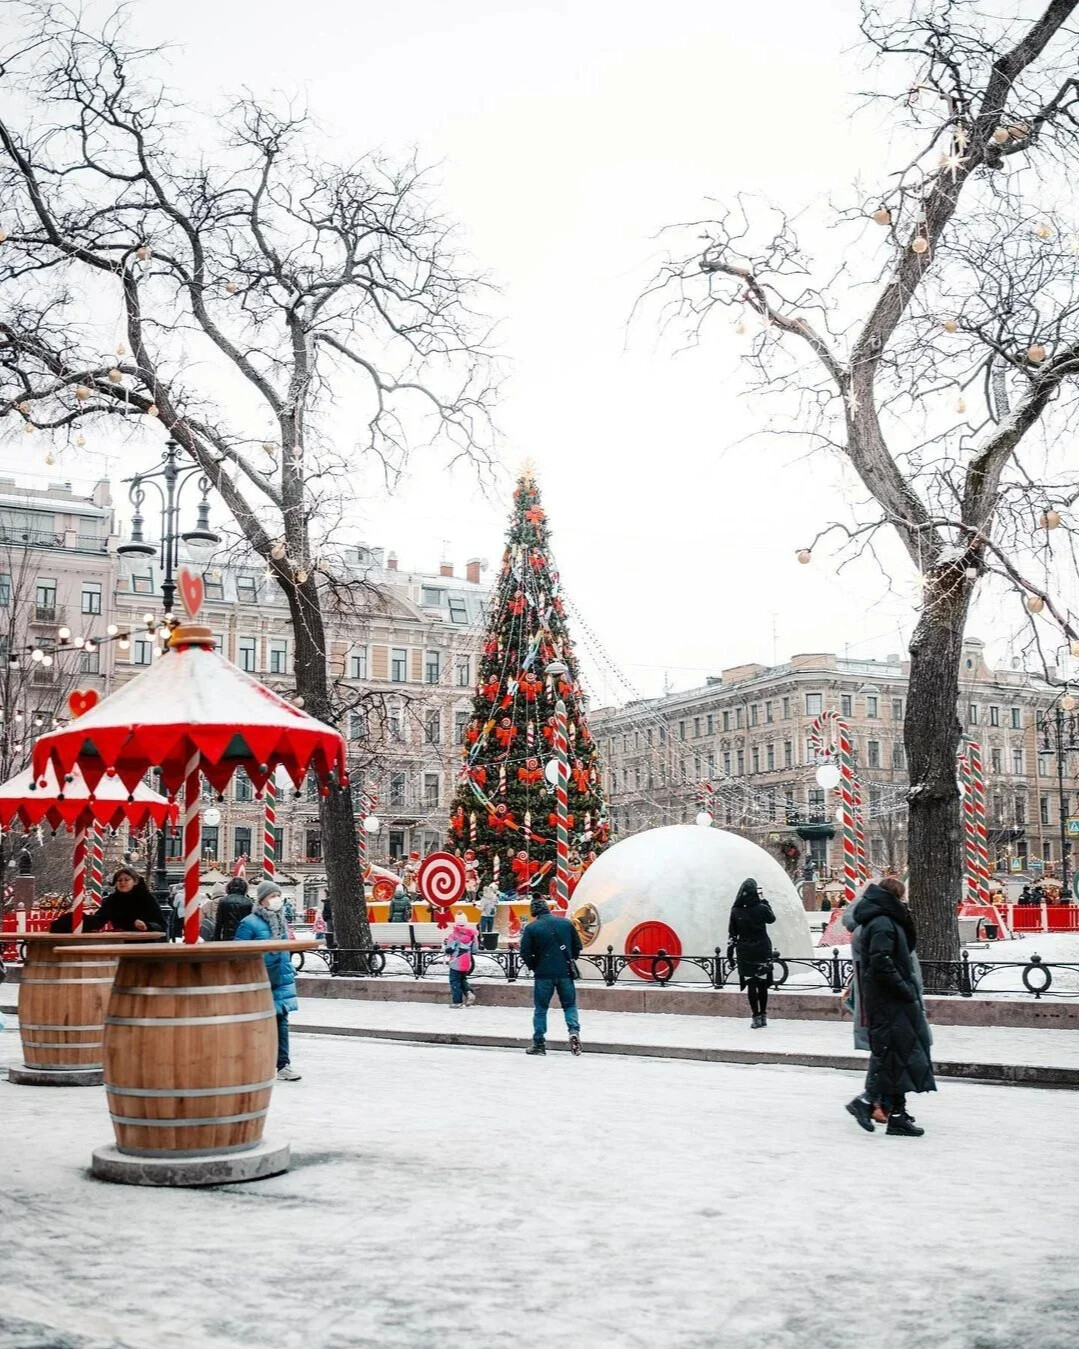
<point x="245" y="652"/>
<point x="755" y="759"/>
<point x="846" y="706"/>
<point x="1043" y="806"/>
<point x="872" y="702"/>
<point x="697" y="768"/>
<point x="873" y="754"/>
<point x="994" y="761"/>
<point x="1017" y="761"/>
<point x="897" y="709"/>
<point x="90" y="662"/>
<point x="431" y="597"/>
<point x="814" y="704"/>
<point x="770" y="757"/>
<point x="753" y="711"/>
<point x="696" y="728"/>
<point x="741" y="763"/>
<point x="432" y="669"/>
<point x="397" y="789"/>
<point x="1043" y="766"/>
<point x="210" y="842"/>
<point x="994" y="716"/>
<point x="726" y="721"/>
<point x="395" y="725"/>
<point x="1020" y="810"/>
<point x="739" y="718"/>
<point x="247" y="591"/>
<point x="142" y="583"/>
<point x="681" y="730"/>
<point x="241" y="841"/>
<point x="45" y="600"/>
<point x="142" y="650"/>
<point x="636" y="739"/>
<point x="637" y="777"/>
<point x="663" y="735"/>
<point x="460" y="726"/>
<point x="711" y="767"/>
<point x="464" y="672"/>
<point x="1017" y="718"/>
<point x="788" y="754"/>
<point x="432" y="727"/>
<point x="213" y="586"/>
<point x="245" y="788"/>
<point x="91" y="597"/>
<point x="430" y="789"/>
<point x="357" y="724"/>
<point x="899" y="757"/>
<point x="5" y="591"/>
<point x="768" y="716"/>
<point x="357" y="664"/>
<point x="313" y="845"/>
<point x="726" y="763"/>
<point x="278" y="656"/>
<point x="786" y="709"/>
<point x="458" y="610"/>
<point x="398" y="665"/>
<point x="972" y="714"/>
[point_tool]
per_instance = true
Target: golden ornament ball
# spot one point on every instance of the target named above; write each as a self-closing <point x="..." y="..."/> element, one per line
<point x="1036" y="353"/>
<point x="804" y="555"/>
<point x="82" y="392"/>
<point x="231" y="288"/>
<point x="1069" y="702"/>
<point x="1035" y="604"/>
<point x="950" y="326"/>
<point x="920" y="244"/>
<point x="115" y="376"/>
<point x="1049" y="519"/>
<point x="882" y="216"/>
<point x="1044" y="231"/>
<point x="152" y="410"/>
<point x="1000" y="136"/>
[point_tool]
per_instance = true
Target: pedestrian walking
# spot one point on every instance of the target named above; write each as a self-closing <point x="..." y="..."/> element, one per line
<point x="232" y="908"/>
<point x="750" y="945"/>
<point x="400" y="906"/>
<point x="488" y="907"/>
<point x="550" y="947"/>
<point x="266" y="922"/>
<point x="128" y="907"/>
<point x="461" y="947"/>
<point x="890" y="1005"/>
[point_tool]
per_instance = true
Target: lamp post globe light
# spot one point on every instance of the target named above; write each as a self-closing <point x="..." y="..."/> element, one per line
<point x="169" y="481"/>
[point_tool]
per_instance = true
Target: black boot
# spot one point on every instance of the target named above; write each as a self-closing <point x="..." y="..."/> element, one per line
<point x="536" y="1047"/>
<point x="862" y="1110"/>
<point x="574" y="1043"/>
<point x="903" y="1124"/>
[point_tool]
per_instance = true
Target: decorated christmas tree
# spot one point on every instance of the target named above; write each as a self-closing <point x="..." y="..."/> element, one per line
<point x="504" y="810"/>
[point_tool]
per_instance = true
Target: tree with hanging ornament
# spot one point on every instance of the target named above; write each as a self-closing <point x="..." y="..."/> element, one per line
<point x="504" y="807"/>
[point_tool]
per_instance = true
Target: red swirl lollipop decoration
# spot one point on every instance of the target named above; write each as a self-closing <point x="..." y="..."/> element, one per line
<point x="441" y="879"/>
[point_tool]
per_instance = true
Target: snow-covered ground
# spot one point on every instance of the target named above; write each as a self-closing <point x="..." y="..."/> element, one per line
<point x="468" y="1198"/>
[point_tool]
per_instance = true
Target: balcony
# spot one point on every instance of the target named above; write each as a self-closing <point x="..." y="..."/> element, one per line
<point x="811" y="824"/>
<point x="45" y="613"/>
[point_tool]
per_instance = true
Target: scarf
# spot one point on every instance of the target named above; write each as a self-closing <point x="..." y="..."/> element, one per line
<point x="278" y="927"/>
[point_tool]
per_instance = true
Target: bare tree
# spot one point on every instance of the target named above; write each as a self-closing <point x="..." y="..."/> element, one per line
<point x="969" y="294"/>
<point x="281" y="316"/>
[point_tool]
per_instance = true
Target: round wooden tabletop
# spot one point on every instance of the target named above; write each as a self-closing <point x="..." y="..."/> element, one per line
<point x="76" y="938"/>
<point x="203" y="950"/>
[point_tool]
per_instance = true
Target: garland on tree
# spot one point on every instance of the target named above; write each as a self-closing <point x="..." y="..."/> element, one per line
<point x="503" y="819"/>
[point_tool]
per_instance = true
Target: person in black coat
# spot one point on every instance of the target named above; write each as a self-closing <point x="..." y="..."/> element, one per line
<point x="549" y="947"/>
<point x="232" y="908"/>
<point x="900" y="1044"/>
<point x="749" y="943"/>
<point x="128" y="907"/>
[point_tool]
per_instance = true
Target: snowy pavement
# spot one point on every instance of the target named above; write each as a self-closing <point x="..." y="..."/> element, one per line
<point x="977" y="1044"/>
<point x="471" y="1198"/>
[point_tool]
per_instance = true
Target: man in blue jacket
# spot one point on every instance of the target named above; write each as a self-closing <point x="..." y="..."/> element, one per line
<point x="549" y="947"/>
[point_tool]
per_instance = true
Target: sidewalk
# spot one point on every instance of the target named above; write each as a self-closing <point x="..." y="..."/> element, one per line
<point x="1006" y="1054"/>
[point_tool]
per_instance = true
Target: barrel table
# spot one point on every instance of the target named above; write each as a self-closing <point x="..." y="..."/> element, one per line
<point x="190" y="1063"/>
<point x="62" y="1006"/>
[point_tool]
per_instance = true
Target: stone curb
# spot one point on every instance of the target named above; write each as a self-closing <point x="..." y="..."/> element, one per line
<point x="1019" y="1074"/>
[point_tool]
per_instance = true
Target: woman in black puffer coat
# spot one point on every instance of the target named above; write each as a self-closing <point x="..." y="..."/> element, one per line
<point x="750" y="944"/>
<point x="899" y="1038"/>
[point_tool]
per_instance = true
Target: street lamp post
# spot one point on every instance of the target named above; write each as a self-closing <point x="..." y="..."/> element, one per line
<point x="169" y="481"/>
<point x="1061" y="737"/>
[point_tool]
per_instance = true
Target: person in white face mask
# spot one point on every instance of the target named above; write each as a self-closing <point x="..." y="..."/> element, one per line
<point x="266" y="922"/>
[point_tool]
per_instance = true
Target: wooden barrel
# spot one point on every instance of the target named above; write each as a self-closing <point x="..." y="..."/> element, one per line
<point x="62" y="1006"/>
<point x="190" y="1051"/>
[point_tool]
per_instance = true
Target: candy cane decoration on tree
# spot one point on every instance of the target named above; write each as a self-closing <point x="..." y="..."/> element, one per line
<point x="78" y="880"/>
<point x="269" y="829"/>
<point x="97" y="862"/>
<point x="846" y="777"/>
<point x="192" y="848"/>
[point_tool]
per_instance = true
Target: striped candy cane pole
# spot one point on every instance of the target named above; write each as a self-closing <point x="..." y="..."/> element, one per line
<point x="970" y="833"/>
<point x="981" y="837"/>
<point x="859" y="832"/>
<point x="78" y="880"/>
<point x="97" y="862"/>
<point x="846" y="770"/>
<point x="269" y="828"/>
<point x="192" y="848"/>
<point x="561" y="794"/>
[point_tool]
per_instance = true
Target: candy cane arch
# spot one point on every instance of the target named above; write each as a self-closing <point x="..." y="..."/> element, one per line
<point x="846" y="792"/>
<point x="976" y="794"/>
<point x="561" y="794"/>
<point x="269" y="829"/>
<point x="97" y="862"/>
<point x="192" y="848"/>
<point x="78" y="880"/>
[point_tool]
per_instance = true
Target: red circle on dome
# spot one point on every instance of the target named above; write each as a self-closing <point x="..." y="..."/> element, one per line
<point x="648" y="939"/>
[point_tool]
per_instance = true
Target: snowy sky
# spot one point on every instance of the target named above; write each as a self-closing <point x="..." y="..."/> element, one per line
<point x="566" y="134"/>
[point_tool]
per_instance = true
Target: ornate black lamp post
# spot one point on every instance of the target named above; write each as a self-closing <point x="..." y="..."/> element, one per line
<point x="1060" y="736"/>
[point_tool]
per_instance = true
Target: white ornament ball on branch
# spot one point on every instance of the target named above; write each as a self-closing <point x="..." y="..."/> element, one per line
<point x="1035" y="604"/>
<point x="121" y="350"/>
<point x="80" y="441"/>
<point x="142" y="253"/>
<point x="1044" y="231"/>
<point x="950" y="326"/>
<point x="804" y="556"/>
<point x="1049" y="519"/>
<point x="1069" y="702"/>
<point x="1000" y="136"/>
<point x="231" y="288"/>
<point x="1075" y="650"/>
<point x="115" y="376"/>
<point x="920" y="244"/>
<point x="1036" y="353"/>
<point x="882" y="215"/>
<point x="82" y="392"/>
<point x="152" y="410"/>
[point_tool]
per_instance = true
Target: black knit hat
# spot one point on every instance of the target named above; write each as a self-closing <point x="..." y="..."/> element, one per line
<point x="538" y="906"/>
<point x="236" y="886"/>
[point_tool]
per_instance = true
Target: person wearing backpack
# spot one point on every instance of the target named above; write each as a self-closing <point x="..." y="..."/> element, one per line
<point x="461" y="947"/>
<point x="749" y="944"/>
<point x="550" y="947"/>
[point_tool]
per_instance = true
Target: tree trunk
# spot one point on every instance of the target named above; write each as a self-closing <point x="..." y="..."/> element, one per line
<point x="931" y="734"/>
<point x="340" y="849"/>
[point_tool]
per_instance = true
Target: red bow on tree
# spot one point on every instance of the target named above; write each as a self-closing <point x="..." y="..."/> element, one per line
<point x="501" y="818"/>
<point x="549" y="730"/>
<point x="552" y="820"/>
<point x="472" y="734"/>
<point x="457" y="821"/>
<point x="516" y="605"/>
<point x="580" y="776"/>
<point x="505" y="732"/>
<point x="534" y="515"/>
<point x="490" y="689"/>
<point x="530" y="687"/>
<point x="478" y="775"/>
<point x="530" y="772"/>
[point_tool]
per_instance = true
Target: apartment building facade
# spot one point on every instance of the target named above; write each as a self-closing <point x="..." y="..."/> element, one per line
<point x="747" y="733"/>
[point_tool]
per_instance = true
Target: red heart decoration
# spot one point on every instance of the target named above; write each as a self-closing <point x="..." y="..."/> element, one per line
<point x="81" y="701"/>
<point x="192" y="592"/>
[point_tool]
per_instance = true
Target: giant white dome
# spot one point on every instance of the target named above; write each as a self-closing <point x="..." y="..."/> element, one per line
<point x="680" y="880"/>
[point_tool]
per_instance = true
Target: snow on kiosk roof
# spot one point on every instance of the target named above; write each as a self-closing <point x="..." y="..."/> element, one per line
<point x="73" y="805"/>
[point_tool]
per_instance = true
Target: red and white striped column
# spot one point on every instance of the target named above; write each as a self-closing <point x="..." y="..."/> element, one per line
<point x="192" y="850"/>
<point x="561" y="793"/>
<point x="859" y="832"/>
<point x="970" y="844"/>
<point x="846" y="793"/>
<point x="97" y="861"/>
<point x="981" y="836"/>
<point x="269" y="829"/>
<point x="78" y="880"/>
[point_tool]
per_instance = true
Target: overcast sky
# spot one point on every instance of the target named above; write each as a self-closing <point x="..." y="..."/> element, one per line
<point x="566" y="134"/>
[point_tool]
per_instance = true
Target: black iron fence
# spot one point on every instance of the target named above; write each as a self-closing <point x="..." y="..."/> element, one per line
<point x="804" y="974"/>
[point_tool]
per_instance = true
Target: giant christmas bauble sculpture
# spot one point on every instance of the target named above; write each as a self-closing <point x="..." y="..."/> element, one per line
<point x="672" y="889"/>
